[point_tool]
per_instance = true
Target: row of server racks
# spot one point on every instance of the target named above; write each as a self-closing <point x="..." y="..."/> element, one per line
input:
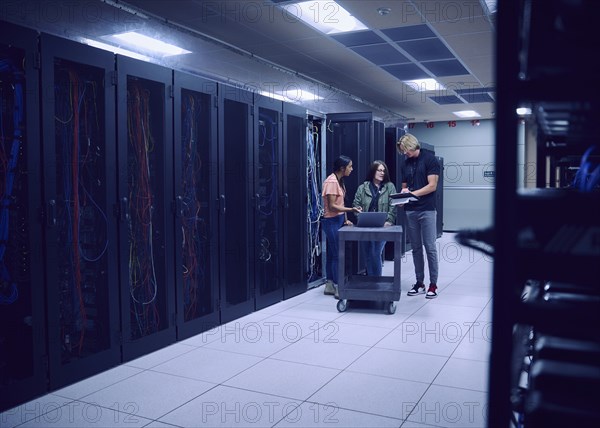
<point x="140" y="206"/>
<point x="545" y="356"/>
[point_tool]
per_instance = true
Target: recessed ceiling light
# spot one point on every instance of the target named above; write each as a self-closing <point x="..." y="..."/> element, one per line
<point x="422" y="85"/>
<point x="466" y="113"/>
<point x="115" y="49"/>
<point x="325" y="15"/>
<point x="140" y="41"/>
<point x="383" y="11"/>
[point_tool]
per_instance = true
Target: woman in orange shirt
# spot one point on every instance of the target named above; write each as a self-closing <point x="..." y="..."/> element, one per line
<point x="334" y="217"/>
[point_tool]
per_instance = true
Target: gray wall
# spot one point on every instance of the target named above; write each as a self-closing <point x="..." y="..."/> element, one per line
<point x="469" y="170"/>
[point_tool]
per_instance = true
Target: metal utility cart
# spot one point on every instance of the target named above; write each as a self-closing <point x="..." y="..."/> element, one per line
<point x="371" y="288"/>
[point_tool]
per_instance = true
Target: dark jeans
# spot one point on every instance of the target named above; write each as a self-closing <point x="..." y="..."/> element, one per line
<point x="422" y="232"/>
<point x="371" y="254"/>
<point x="330" y="227"/>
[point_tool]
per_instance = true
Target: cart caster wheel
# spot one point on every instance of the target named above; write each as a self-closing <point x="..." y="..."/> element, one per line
<point x="391" y="308"/>
<point x="342" y="305"/>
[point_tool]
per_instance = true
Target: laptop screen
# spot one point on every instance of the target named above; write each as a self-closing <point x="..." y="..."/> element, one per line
<point x="371" y="219"/>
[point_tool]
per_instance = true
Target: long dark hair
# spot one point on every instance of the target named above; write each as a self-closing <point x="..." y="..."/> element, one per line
<point x="373" y="169"/>
<point x="340" y="163"/>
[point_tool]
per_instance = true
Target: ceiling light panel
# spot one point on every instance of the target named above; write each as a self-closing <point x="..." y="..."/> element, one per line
<point x="325" y="15"/>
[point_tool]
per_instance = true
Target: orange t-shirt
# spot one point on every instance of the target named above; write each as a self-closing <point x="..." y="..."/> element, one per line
<point x="331" y="186"/>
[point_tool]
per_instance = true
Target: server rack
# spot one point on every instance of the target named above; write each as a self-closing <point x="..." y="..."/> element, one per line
<point x="22" y="309"/>
<point x="79" y="188"/>
<point x="358" y="136"/>
<point x="236" y="203"/>
<point x="269" y="201"/>
<point x="145" y="191"/>
<point x="544" y="360"/>
<point x="295" y="213"/>
<point x="196" y="233"/>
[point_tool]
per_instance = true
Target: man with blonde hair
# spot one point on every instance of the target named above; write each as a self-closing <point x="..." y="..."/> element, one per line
<point x="420" y="176"/>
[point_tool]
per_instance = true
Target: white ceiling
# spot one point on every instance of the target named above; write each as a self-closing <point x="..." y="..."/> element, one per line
<point x="257" y="45"/>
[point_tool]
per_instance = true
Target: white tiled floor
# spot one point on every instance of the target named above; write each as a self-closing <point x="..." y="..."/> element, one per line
<point x="301" y="363"/>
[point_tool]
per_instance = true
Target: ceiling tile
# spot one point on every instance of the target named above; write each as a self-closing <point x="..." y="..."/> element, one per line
<point x="468" y="91"/>
<point x="478" y="98"/>
<point x="426" y="49"/>
<point x="359" y="38"/>
<point x="451" y="67"/>
<point x="446" y="99"/>
<point x="381" y="54"/>
<point x="406" y="71"/>
<point x="413" y="32"/>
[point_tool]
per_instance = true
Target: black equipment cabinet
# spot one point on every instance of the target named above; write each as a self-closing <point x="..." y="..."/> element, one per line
<point x="236" y="204"/>
<point x="22" y="309"/>
<point x="295" y="209"/>
<point x="360" y="137"/>
<point x="196" y="232"/>
<point x="269" y="201"/>
<point x="544" y="365"/>
<point x="79" y="151"/>
<point x="145" y="190"/>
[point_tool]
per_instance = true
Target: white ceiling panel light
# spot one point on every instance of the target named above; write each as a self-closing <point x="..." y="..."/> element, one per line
<point x="325" y="15"/>
<point x="465" y="114"/>
<point x="423" y="85"/>
<point x="115" y="49"/>
<point x="146" y="43"/>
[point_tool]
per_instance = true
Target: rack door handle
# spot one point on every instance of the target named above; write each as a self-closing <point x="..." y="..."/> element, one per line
<point x="124" y="209"/>
<point x="222" y="206"/>
<point x="51" y="216"/>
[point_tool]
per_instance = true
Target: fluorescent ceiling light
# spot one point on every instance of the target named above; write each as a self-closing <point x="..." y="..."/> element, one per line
<point x="466" y="113"/>
<point x="523" y="111"/>
<point x="141" y="41"/>
<point x="325" y="15"/>
<point x="273" y="95"/>
<point x="425" y="85"/>
<point x="114" y="49"/>
<point x="297" y="95"/>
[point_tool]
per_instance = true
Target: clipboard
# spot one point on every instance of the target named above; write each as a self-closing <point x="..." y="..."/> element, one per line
<point x="402" y="198"/>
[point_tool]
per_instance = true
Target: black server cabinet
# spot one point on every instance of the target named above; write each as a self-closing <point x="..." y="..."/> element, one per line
<point x="79" y="152"/>
<point x="361" y="138"/>
<point x="295" y="201"/>
<point x="236" y="203"/>
<point x="352" y="135"/>
<point x="22" y="310"/>
<point x="196" y="245"/>
<point x="269" y="201"/>
<point x="145" y="190"/>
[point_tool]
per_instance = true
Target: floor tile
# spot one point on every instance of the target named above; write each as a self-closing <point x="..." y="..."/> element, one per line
<point x="209" y="365"/>
<point x="99" y="381"/>
<point x="160" y="356"/>
<point x="224" y="406"/>
<point x="149" y="394"/>
<point x="283" y="378"/>
<point x="399" y="365"/>
<point x="451" y="407"/>
<point x="378" y="395"/>
<point x="322" y="353"/>
<point x="467" y="374"/>
<point x="324" y="416"/>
